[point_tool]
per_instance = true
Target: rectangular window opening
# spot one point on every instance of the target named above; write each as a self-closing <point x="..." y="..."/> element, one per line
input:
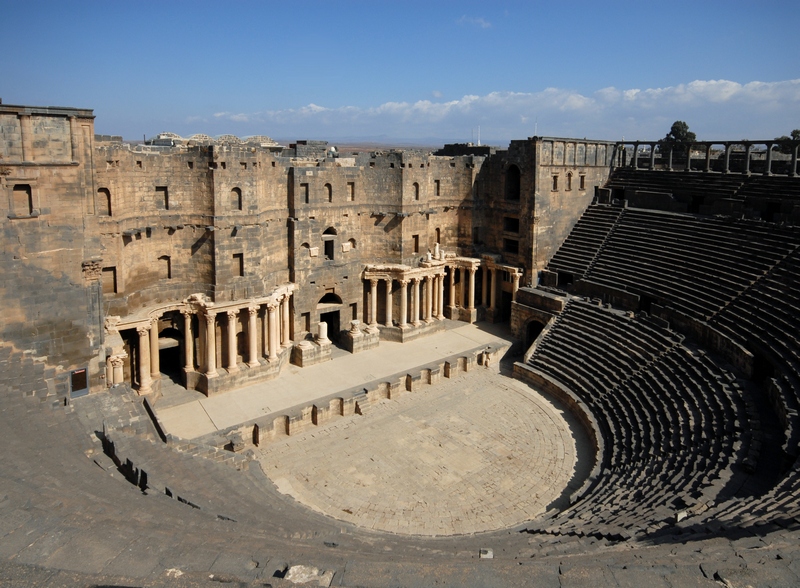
<point x="351" y="191"/>
<point x="437" y="188"/>
<point x="511" y="246"/>
<point x="162" y="197"/>
<point x="238" y="264"/>
<point x="583" y="183"/>
<point x="511" y="225"/>
<point x="415" y="238"/>
<point x="109" y="280"/>
<point x="22" y="200"/>
<point x="304" y="192"/>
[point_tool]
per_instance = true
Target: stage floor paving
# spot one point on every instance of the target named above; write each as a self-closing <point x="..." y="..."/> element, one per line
<point x="476" y="453"/>
<point x="189" y="414"/>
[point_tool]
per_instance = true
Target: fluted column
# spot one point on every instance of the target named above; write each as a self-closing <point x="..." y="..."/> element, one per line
<point x="403" y="302"/>
<point x="155" y="367"/>
<point x="285" y="321"/>
<point x="211" y="344"/>
<point x="435" y="288"/>
<point x="428" y="299"/>
<point x="471" y="297"/>
<point x="231" y="340"/>
<point x="188" y="342"/>
<point x="440" y="283"/>
<point x="252" y="337"/>
<point x="453" y="300"/>
<point x="373" y="302"/>
<point x="145" y="383"/>
<point x="272" y="311"/>
<point x="389" y="302"/>
<point x="493" y="290"/>
<point x="415" y="301"/>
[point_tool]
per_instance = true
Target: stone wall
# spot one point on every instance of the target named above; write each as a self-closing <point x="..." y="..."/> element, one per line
<point x="50" y="291"/>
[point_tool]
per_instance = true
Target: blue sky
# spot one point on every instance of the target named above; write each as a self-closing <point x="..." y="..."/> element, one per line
<point x="411" y="71"/>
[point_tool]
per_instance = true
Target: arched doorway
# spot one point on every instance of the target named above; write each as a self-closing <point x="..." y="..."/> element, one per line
<point x="329" y="307"/>
<point x="532" y="331"/>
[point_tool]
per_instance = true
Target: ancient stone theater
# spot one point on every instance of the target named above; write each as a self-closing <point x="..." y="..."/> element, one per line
<point x="564" y="362"/>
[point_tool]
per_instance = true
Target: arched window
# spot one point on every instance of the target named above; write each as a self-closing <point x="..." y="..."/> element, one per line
<point x="104" y="202"/>
<point x="569" y="181"/>
<point x="512" y="183"/>
<point x="236" y="199"/>
<point x="328" y="240"/>
<point x="416" y="191"/>
<point x="329" y="192"/>
<point x="352" y="243"/>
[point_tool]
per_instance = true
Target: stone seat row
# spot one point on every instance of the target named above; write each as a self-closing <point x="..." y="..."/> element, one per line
<point x="674" y="424"/>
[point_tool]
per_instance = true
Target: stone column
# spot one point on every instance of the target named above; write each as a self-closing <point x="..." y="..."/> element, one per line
<point x="453" y="287"/>
<point x="116" y="370"/>
<point x="145" y="383"/>
<point x="636" y="156"/>
<point x="231" y="340"/>
<point x="689" y="157"/>
<point x="403" y="303"/>
<point x="747" y="159"/>
<point x="265" y="328"/>
<point x="515" y="286"/>
<point x="389" y="302"/>
<point x="322" y="332"/>
<point x="768" y="170"/>
<point x="708" y="157"/>
<point x="285" y="320"/>
<point x="440" y="283"/>
<point x="435" y="294"/>
<point x="272" y="309"/>
<point x="188" y="342"/>
<point x="211" y="344"/>
<point x="793" y="173"/>
<point x="155" y="367"/>
<point x="471" y="297"/>
<point x="428" y="299"/>
<point x="415" y="301"/>
<point x="373" y="302"/>
<point x="493" y="291"/>
<point x="652" y="156"/>
<point x="727" y="158"/>
<point x="252" y="337"/>
<point x="484" y="283"/>
<point x="670" y="159"/>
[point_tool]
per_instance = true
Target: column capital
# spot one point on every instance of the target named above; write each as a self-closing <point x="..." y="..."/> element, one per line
<point x="143" y="331"/>
<point x="187" y="313"/>
<point x="373" y="282"/>
<point x="231" y="314"/>
<point x="211" y="317"/>
<point x="272" y="306"/>
<point x="252" y="310"/>
<point x="403" y="282"/>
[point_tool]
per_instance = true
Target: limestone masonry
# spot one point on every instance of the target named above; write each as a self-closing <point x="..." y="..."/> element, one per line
<point x="222" y="260"/>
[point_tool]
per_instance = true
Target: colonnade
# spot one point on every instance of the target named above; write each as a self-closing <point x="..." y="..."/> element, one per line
<point x="275" y="329"/>
<point x="705" y="146"/>
<point x="426" y="300"/>
<point x="422" y="290"/>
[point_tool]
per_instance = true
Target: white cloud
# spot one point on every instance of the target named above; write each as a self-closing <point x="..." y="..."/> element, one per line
<point x="715" y="109"/>
<point x="471" y="20"/>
